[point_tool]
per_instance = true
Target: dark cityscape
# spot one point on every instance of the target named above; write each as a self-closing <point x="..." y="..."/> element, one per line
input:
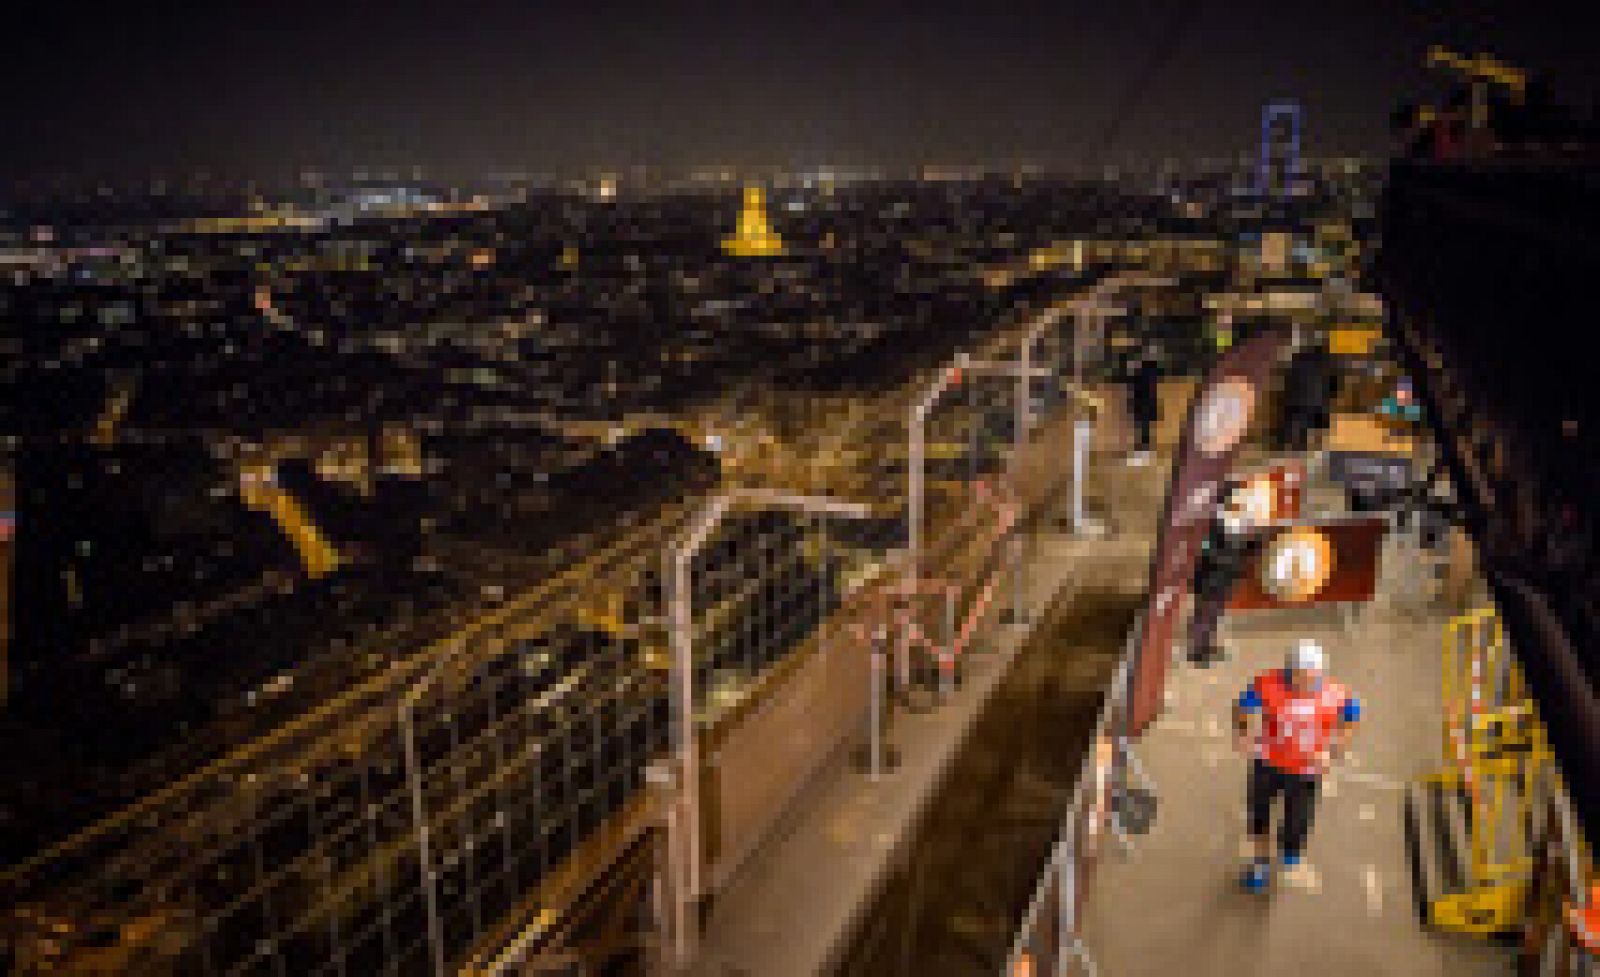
<point x="755" y="489"/>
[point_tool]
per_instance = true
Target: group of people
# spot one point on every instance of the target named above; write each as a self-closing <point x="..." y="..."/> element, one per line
<point x="1292" y="722"/>
<point x="1231" y="542"/>
<point x="1311" y="383"/>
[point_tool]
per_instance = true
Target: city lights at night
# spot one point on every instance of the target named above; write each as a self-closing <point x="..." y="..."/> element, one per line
<point x="781" y="489"/>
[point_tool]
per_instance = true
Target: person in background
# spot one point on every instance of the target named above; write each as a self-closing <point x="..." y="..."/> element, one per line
<point x="1230" y="543"/>
<point x="1294" y="724"/>
<point x="1401" y="404"/>
<point x="1144" y="401"/>
<point x="1308" y="388"/>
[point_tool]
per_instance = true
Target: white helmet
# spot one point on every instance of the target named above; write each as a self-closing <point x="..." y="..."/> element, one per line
<point x="1306" y="656"/>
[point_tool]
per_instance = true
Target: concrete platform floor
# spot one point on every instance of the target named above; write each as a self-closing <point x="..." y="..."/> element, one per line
<point x="1173" y="906"/>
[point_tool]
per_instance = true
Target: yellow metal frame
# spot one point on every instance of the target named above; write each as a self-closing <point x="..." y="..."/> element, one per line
<point x="1495" y="750"/>
<point x="1484" y="67"/>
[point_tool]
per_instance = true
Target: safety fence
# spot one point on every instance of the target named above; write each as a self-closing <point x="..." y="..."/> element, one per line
<point x="1112" y="798"/>
<point x="440" y="815"/>
<point x="379" y="833"/>
<point x="804" y="623"/>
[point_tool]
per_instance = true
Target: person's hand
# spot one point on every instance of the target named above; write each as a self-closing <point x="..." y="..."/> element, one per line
<point x="1244" y="742"/>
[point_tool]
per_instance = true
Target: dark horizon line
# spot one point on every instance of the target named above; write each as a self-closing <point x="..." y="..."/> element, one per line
<point x="400" y="172"/>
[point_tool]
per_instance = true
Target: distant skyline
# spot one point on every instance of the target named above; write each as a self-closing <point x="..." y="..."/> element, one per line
<point x="264" y="90"/>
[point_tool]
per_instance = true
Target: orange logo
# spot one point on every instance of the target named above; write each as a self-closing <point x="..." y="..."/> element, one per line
<point x="1297" y="565"/>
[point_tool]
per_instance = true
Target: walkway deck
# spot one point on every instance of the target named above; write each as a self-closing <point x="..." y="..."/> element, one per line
<point x="1173" y="905"/>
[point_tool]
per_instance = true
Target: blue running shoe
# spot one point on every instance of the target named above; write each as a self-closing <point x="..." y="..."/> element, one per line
<point x="1255" y="877"/>
<point x="1290" y="861"/>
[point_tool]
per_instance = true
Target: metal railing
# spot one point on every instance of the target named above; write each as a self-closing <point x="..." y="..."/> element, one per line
<point x="1049" y="940"/>
<point x="395" y="829"/>
<point x="772" y="671"/>
<point x="752" y="559"/>
<point x="317" y="850"/>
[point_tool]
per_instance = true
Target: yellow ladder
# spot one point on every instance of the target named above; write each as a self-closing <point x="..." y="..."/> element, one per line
<point x="1495" y="756"/>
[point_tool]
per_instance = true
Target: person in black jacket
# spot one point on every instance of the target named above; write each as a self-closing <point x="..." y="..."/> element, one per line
<point x="1231" y="542"/>
<point x="1144" y="385"/>
<point x="1308" y="389"/>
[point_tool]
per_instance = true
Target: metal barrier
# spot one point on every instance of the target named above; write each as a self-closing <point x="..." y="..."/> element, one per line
<point x="972" y="476"/>
<point x="329" y="847"/>
<point x="441" y="813"/>
<point x="1050" y="940"/>
<point x="516" y="753"/>
<point x="753" y="582"/>
<point x="772" y="673"/>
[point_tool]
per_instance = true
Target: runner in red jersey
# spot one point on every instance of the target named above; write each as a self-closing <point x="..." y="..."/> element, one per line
<point x="1293" y="723"/>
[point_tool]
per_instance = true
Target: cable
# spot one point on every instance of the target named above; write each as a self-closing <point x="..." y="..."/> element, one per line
<point x="1177" y="28"/>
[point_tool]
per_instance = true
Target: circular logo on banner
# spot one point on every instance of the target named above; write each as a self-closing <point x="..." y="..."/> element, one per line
<point x="1224" y="415"/>
<point x="1297" y="565"/>
<point x="1258" y="498"/>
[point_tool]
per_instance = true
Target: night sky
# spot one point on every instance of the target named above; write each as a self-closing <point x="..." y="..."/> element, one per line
<point x="250" y="89"/>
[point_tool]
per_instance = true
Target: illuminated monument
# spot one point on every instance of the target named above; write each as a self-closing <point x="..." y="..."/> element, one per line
<point x="1278" y="171"/>
<point x="753" y="237"/>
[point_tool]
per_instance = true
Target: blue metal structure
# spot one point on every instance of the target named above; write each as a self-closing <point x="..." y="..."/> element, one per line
<point x="1280" y="150"/>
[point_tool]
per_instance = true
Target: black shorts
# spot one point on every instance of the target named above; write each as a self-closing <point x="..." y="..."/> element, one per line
<point x="1299" y="804"/>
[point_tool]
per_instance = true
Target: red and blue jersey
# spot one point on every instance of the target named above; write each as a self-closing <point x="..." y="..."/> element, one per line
<point x="1297" y="726"/>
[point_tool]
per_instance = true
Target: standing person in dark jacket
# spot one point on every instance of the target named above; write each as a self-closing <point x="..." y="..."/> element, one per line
<point x="1144" y="404"/>
<point x="1308" y="387"/>
<point x="1230" y="543"/>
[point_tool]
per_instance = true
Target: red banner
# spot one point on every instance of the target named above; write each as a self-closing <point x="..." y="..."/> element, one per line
<point x="1313" y="563"/>
<point x="1219" y="417"/>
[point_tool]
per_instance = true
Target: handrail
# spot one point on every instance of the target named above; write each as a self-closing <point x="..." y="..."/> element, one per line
<point x="1061" y="875"/>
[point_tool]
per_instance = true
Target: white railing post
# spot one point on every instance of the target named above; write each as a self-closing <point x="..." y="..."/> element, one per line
<point x="947" y="673"/>
<point x="877" y="671"/>
<point x="951" y="594"/>
<point x="1024" y="413"/>
<point x="902" y="655"/>
<point x="1082" y="428"/>
<point x="419" y="820"/>
<point x="915" y="452"/>
<point x="1066" y="896"/>
<point x="674" y="919"/>
<point x="1069" y="942"/>
<point x="686" y="817"/>
<point x="1019" y="605"/>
